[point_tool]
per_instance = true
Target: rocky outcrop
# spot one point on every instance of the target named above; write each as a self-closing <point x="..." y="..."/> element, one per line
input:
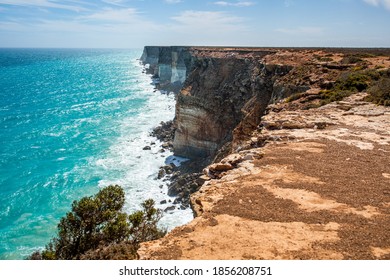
<point x="293" y="178"/>
<point x="165" y="132"/>
<point x="308" y="193"/>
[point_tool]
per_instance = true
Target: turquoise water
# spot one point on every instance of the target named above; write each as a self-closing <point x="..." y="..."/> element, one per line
<point x="72" y="121"/>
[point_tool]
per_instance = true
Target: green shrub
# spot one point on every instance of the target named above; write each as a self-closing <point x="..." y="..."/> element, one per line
<point x="98" y="221"/>
<point x="354" y="81"/>
<point x="117" y="251"/>
<point x="351" y="59"/>
<point x="295" y="96"/>
<point x="312" y="105"/>
<point x="143" y="224"/>
<point x="375" y="81"/>
<point x="328" y="96"/>
<point x="323" y="58"/>
<point x="379" y="93"/>
<point x="366" y="55"/>
<point x="356" y="58"/>
<point x="349" y="83"/>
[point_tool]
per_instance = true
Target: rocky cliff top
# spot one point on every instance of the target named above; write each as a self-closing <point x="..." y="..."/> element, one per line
<point x="306" y="171"/>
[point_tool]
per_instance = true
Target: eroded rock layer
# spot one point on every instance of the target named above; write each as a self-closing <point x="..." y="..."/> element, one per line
<point x="222" y="90"/>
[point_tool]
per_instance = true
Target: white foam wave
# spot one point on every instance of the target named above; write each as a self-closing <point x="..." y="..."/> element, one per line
<point x="128" y="164"/>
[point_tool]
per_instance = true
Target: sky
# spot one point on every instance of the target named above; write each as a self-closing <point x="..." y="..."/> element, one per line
<point x="136" y="23"/>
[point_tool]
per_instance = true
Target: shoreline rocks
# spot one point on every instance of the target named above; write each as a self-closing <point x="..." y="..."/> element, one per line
<point x="165" y="132"/>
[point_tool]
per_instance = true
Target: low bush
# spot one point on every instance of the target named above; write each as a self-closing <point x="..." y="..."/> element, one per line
<point x="295" y="96"/>
<point x="98" y="221"/>
<point x="117" y="251"/>
<point x="328" y="96"/>
<point x="351" y="59"/>
<point x="379" y="93"/>
<point x="323" y="58"/>
<point x="349" y="83"/>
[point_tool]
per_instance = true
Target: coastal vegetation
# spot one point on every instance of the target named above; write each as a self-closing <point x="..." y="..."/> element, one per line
<point x="376" y="82"/>
<point x="347" y="84"/>
<point x="336" y="76"/>
<point x="379" y="93"/>
<point x="97" y="228"/>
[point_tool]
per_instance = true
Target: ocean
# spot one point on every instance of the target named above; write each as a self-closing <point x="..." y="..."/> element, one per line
<point x="73" y="121"/>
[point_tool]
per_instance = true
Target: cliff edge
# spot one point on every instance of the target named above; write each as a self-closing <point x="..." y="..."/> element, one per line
<point x="300" y="159"/>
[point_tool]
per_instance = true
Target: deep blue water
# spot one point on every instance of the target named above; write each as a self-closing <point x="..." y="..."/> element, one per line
<point x="72" y="121"/>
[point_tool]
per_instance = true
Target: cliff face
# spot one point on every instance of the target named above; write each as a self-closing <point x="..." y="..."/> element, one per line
<point x="220" y="93"/>
<point x="169" y="64"/>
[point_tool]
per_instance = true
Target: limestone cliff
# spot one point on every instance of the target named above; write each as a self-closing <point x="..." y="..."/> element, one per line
<point x="217" y="96"/>
<point x="169" y="64"/>
<point x="220" y="93"/>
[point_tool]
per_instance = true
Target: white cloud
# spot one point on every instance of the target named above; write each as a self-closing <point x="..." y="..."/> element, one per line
<point x="376" y="3"/>
<point x="113" y="15"/>
<point x="115" y="2"/>
<point x="45" y="4"/>
<point x="104" y="27"/>
<point x="11" y="26"/>
<point x="207" y="19"/>
<point x="235" y="4"/>
<point x="82" y="32"/>
<point x="207" y="28"/>
<point x="301" y="31"/>
<point x="173" y="1"/>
